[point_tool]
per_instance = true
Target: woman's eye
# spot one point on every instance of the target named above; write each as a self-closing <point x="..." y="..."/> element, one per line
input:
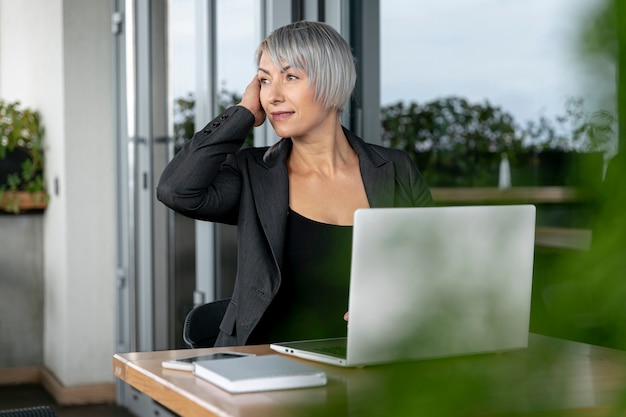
<point x="263" y="80"/>
<point x="291" y="77"/>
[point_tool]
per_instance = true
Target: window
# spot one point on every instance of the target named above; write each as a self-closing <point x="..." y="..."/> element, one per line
<point x="486" y="78"/>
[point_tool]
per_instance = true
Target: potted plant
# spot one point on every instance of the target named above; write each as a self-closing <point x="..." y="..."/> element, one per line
<point x="22" y="185"/>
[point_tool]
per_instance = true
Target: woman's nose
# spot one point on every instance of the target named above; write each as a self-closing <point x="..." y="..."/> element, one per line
<point x="275" y="94"/>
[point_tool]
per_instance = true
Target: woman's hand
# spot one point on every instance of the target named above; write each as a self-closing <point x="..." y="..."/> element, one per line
<point x="346" y="316"/>
<point x="251" y="100"/>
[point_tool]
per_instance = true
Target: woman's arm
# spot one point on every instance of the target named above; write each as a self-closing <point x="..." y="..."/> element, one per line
<point x="203" y="180"/>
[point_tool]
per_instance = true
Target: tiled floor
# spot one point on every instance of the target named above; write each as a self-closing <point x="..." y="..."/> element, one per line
<point x="22" y="396"/>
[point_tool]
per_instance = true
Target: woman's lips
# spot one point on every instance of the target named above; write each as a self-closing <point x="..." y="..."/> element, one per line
<point x="281" y="115"/>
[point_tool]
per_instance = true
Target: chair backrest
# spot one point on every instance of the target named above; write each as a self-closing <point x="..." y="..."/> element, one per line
<point x="202" y="324"/>
<point x="42" y="411"/>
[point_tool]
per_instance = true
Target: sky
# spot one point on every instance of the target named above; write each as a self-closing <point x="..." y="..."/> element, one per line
<point x="517" y="54"/>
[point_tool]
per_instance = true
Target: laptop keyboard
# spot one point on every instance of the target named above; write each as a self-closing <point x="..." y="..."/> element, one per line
<point x="338" y="351"/>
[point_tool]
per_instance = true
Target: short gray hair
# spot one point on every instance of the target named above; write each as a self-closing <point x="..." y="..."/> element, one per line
<point x="320" y="51"/>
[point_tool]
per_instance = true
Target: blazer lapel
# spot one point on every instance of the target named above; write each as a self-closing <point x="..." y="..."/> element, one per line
<point x="378" y="173"/>
<point x="270" y="186"/>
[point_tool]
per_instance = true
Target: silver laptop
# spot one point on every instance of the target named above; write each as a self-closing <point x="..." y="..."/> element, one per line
<point x="433" y="282"/>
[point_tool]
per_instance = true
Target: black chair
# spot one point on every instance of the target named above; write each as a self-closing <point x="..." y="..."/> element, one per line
<point x="202" y="324"/>
<point x="42" y="411"/>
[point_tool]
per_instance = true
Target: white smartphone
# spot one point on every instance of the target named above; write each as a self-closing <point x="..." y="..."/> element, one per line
<point x="186" y="364"/>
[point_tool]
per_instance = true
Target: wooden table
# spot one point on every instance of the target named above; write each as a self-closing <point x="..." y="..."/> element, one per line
<point x="559" y="238"/>
<point x="548" y="378"/>
<point x="516" y="195"/>
<point x="563" y="238"/>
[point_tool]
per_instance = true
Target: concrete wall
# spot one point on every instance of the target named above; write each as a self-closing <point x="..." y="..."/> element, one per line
<point x="21" y="297"/>
<point x="55" y="56"/>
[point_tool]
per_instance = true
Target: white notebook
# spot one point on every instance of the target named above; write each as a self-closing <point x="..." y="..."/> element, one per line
<point x="259" y="373"/>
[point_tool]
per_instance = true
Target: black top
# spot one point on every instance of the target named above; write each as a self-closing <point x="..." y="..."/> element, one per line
<point x="313" y="295"/>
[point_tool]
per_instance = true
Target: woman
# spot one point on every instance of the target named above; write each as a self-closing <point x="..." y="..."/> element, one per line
<point x="294" y="202"/>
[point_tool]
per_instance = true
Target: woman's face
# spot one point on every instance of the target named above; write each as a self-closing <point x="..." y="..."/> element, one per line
<point x="288" y="100"/>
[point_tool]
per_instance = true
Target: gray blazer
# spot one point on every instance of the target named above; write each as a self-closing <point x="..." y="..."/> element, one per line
<point x="212" y="178"/>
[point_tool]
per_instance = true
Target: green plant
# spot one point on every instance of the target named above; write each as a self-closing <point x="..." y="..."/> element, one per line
<point x="569" y="149"/>
<point x="576" y="130"/>
<point x="458" y="143"/>
<point x="453" y="141"/>
<point x="21" y="136"/>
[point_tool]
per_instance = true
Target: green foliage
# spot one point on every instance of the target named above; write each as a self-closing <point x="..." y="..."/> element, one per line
<point x="450" y="123"/>
<point x="458" y="143"/>
<point x="21" y="133"/>
<point x="184" y="126"/>
<point x="591" y="286"/>
<point x="20" y="128"/>
<point x="576" y="130"/>
<point x="453" y="141"/>
<point x="598" y="49"/>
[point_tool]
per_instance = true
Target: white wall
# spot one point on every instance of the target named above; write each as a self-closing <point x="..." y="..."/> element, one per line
<point x="55" y="56"/>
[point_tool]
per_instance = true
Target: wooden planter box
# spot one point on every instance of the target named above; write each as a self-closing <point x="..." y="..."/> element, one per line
<point x="23" y="201"/>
